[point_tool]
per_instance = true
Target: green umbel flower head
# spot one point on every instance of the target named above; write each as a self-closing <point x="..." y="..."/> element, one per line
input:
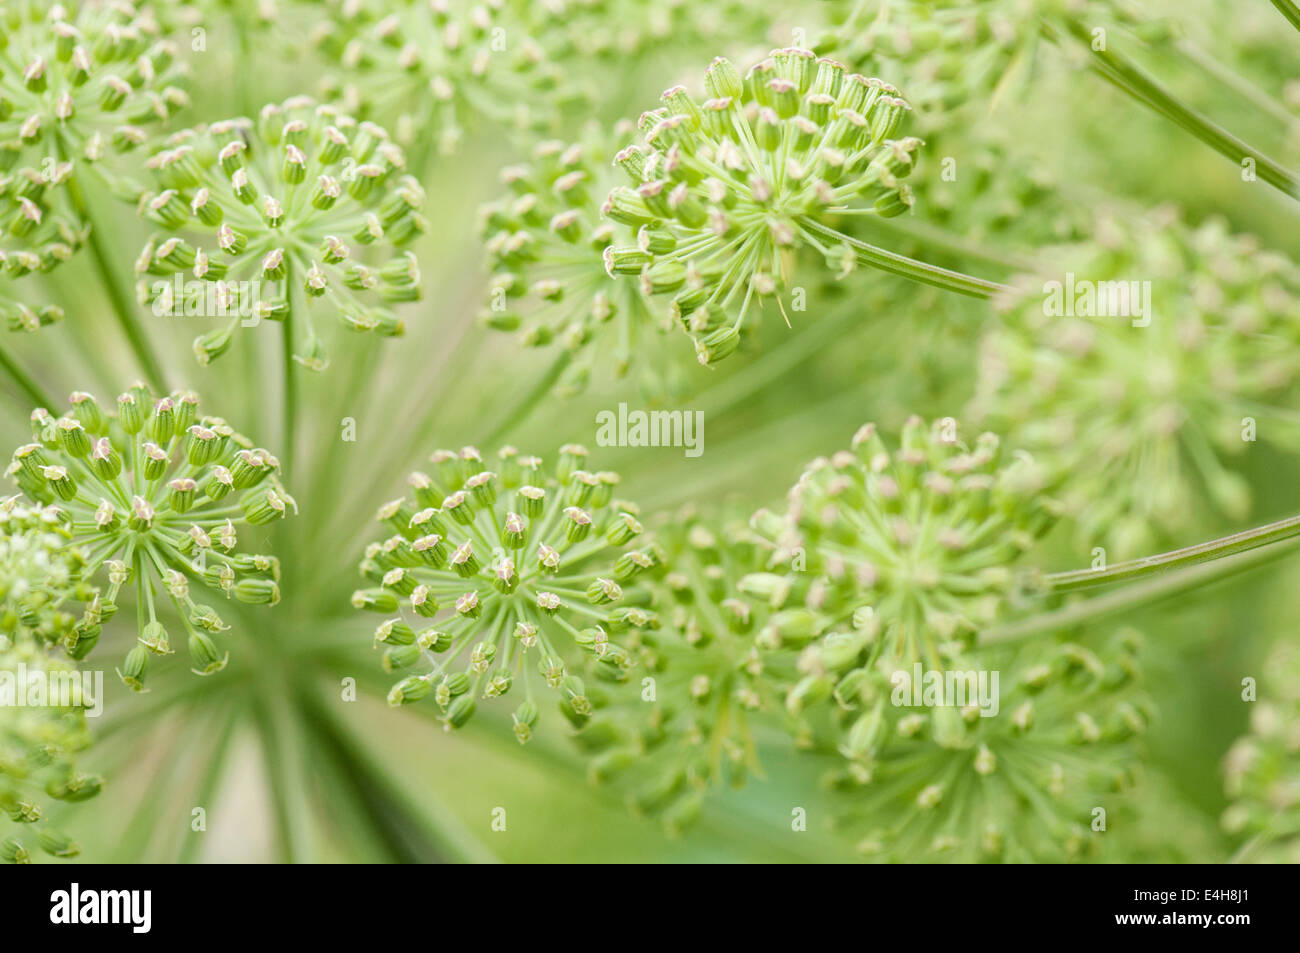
<point x="76" y="80"/>
<point x="40" y="233"/>
<point x="715" y="670"/>
<point x="429" y="67"/>
<point x="1138" y="366"/>
<point x="545" y="244"/>
<point x="1262" y="768"/>
<point x="982" y="53"/>
<point x="42" y="699"/>
<point x="519" y="573"/>
<point x="278" y="218"/>
<point x="725" y="192"/>
<point x="915" y="546"/>
<point x="1020" y="779"/>
<point x="155" y="494"/>
<point x="43" y="579"/>
<point x="42" y="727"/>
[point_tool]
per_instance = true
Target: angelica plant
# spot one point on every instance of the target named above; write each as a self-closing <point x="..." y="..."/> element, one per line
<point x="917" y="542"/>
<point x="1020" y="784"/>
<point x="280" y="202"/>
<point x="714" y="672"/>
<point x="750" y="621"/>
<point x="1151" y="394"/>
<point x="727" y="190"/>
<point x="545" y="244"/>
<point x="42" y="583"/>
<point x="78" y="83"/>
<point x="429" y="68"/>
<point x="1262" y="768"/>
<point x="156" y="494"/>
<point x="527" y="572"/>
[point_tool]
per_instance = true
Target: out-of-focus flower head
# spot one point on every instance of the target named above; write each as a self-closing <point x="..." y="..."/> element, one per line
<point x="42" y="698"/>
<point x="689" y="726"/>
<point x="1015" y="771"/>
<point x="545" y="245"/>
<point x="77" y="80"/>
<point x="953" y="53"/>
<point x="300" y="210"/>
<point x="155" y="495"/>
<point x="430" y="68"/>
<point x="42" y="576"/>
<point x="915" y="545"/>
<point x="725" y="192"/>
<point x="499" y="581"/>
<point x="82" y="78"/>
<point x="1137" y="364"/>
<point x="1262" y="768"/>
<point x="38" y="748"/>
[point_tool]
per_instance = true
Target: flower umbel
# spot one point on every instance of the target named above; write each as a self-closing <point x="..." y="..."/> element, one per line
<point x="281" y="202"/>
<point x="1021" y="785"/>
<point x="717" y="666"/>
<point x="494" y="576"/>
<point x="38" y="748"/>
<point x="155" y="495"/>
<point x="917" y="544"/>
<point x="545" y="245"/>
<point x="725" y="192"/>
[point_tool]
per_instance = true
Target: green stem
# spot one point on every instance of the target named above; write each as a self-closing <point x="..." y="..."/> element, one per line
<point x="123" y="309"/>
<point x="297" y="311"/>
<point x="1145" y="593"/>
<point x="35" y="393"/>
<point x="1143" y="87"/>
<point x="905" y="267"/>
<point x="1187" y="556"/>
<point x="1288" y="10"/>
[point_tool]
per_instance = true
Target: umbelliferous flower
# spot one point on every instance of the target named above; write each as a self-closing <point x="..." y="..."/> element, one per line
<point x="77" y="80"/>
<point x="545" y="244"/>
<point x="716" y="668"/>
<point x="40" y="233"/>
<point x="1262" y="768"/>
<point x="917" y="545"/>
<point x="1137" y="365"/>
<point x="725" y="192"/>
<point x="1020" y="780"/>
<point x="494" y="576"/>
<point x="155" y="495"/>
<point x="429" y="67"/>
<point x="39" y="740"/>
<point x="42" y="699"/>
<point x="81" y="78"/>
<point x="956" y="53"/>
<point x="42" y="577"/>
<point x="303" y="208"/>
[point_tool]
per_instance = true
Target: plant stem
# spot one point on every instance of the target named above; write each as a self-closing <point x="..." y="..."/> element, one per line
<point x="297" y="311"/>
<point x="908" y="267"/>
<point x="35" y="393"/>
<point x="123" y="309"/>
<point x="1143" y="87"/>
<point x="1174" y="559"/>
<point x="1288" y="10"/>
<point x="1145" y="593"/>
